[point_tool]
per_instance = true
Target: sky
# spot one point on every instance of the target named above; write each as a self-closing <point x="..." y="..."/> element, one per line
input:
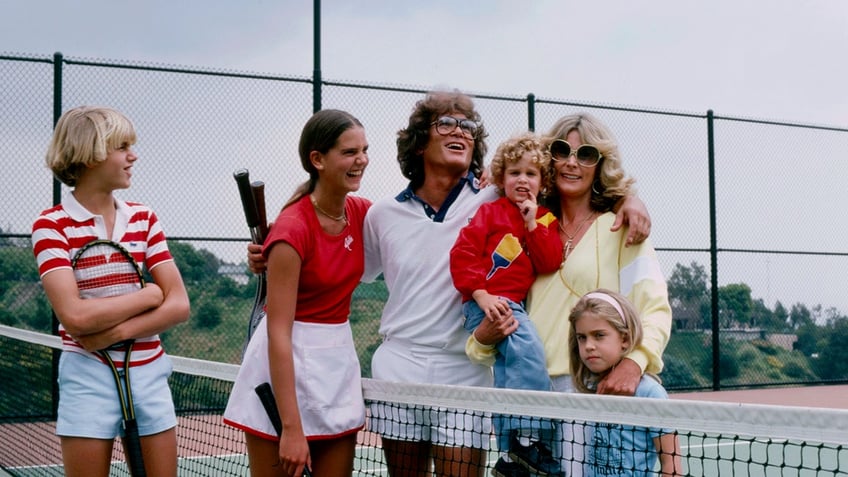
<point x="766" y="59"/>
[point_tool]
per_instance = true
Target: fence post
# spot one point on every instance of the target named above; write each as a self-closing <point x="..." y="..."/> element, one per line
<point x="531" y="112"/>
<point x="714" y="318"/>
<point x="316" y="56"/>
<point x="58" y="61"/>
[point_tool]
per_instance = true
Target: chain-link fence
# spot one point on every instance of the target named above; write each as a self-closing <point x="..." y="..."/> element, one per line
<point x="747" y="213"/>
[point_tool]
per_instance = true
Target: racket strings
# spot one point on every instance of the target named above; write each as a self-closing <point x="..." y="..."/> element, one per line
<point x="102" y="271"/>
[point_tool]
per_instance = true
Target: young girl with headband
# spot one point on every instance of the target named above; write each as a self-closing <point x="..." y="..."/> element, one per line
<point x="605" y="327"/>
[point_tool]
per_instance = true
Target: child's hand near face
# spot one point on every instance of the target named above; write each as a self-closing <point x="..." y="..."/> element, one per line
<point x="528" y="208"/>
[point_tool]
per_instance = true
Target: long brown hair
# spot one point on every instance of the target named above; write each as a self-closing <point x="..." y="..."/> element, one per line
<point x="320" y="133"/>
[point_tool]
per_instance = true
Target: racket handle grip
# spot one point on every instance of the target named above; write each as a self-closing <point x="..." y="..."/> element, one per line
<point x="132" y="446"/>
<point x="251" y="214"/>
<point x="266" y="396"/>
<point x="258" y="190"/>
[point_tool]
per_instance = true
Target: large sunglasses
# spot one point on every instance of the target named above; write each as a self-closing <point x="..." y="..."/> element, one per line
<point x="586" y="155"/>
<point x="447" y="124"/>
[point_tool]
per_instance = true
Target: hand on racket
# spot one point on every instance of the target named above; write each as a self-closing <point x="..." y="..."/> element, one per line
<point x="255" y="261"/>
<point x="102" y="269"/>
<point x="266" y="396"/>
<point x="295" y="456"/>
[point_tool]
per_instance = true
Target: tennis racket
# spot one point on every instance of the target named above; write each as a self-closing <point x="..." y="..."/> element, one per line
<point x="103" y="268"/>
<point x="266" y="396"/>
<point x="253" y="203"/>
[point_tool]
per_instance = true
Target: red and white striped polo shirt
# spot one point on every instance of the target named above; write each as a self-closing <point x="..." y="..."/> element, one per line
<point x="60" y="231"/>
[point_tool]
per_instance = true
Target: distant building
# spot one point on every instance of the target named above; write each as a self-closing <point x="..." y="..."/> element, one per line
<point x="781" y="340"/>
<point x="238" y="273"/>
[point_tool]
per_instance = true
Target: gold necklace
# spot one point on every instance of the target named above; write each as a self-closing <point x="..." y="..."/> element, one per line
<point x="566" y="250"/>
<point x="337" y="218"/>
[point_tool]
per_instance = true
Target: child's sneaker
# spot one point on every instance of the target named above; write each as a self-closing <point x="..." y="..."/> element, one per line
<point x="509" y="469"/>
<point x="536" y="457"/>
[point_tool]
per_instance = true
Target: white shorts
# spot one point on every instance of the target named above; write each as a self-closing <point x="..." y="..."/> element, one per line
<point x="89" y="404"/>
<point x="404" y="362"/>
<point x="327" y="382"/>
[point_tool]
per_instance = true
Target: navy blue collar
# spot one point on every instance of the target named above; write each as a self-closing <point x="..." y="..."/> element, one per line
<point x="439" y="216"/>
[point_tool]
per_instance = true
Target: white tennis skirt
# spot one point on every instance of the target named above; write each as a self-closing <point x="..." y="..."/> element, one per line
<point x="327" y="381"/>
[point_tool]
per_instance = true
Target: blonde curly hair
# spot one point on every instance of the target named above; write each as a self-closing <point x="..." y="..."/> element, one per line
<point x="513" y="150"/>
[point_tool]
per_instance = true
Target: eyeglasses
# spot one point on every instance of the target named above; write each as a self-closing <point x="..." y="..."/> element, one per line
<point x="447" y="124"/>
<point x="586" y="155"/>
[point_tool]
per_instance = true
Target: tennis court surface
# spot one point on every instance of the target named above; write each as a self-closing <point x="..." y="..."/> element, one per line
<point x="717" y="438"/>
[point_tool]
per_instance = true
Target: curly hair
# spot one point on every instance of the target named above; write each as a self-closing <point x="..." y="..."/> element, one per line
<point x="513" y="150"/>
<point x="611" y="182"/>
<point x="83" y="137"/>
<point x="413" y="139"/>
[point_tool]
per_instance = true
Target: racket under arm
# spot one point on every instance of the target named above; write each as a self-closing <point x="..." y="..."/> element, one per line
<point x="132" y="446"/>
<point x="266" y="396"/>
<point x="131" y="439"/>
<point x="103" y="268"/>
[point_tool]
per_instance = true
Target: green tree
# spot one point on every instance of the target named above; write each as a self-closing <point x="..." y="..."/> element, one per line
<point x="208" y="314"/>
<point x="689" y="294"/>
<point x="195" y="265"/>
<point x="22" y="301"/>
<point x="809" y="337"/>
<point x="800" y="316"/>
<point x="761" y="316"/>
<point x="832" y="361"/>
<point x="17" y="264"/>
<point x="735" y="305"/>
<point x="779" y="320"/>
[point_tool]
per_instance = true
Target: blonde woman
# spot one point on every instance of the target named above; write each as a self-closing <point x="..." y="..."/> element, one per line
<point x="587" y="180"/>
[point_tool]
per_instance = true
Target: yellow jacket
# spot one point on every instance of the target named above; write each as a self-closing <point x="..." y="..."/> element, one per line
<point x="600" y="260"/>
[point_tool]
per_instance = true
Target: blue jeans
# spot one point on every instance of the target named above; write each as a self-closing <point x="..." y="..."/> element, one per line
<point x="519" y="364"/>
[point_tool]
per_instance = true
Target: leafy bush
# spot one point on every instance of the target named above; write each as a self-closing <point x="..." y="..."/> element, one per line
<point x="208" y="315"/>
<point x="677" y="374"/>
<point x="798" y="372"/>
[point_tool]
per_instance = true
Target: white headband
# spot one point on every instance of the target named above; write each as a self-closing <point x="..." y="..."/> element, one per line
<point x="611" y="301"/>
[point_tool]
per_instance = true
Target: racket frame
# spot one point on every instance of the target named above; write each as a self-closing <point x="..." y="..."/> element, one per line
<point x="131" y="439"/>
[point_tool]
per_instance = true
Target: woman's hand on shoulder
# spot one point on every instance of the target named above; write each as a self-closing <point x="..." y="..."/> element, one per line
<point x="633" y="213"/>
<point x="483" y="180"/>
<point x="622" y="380"/>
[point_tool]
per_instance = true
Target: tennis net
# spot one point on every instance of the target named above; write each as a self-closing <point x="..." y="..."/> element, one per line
<point x="716" y="439"/>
